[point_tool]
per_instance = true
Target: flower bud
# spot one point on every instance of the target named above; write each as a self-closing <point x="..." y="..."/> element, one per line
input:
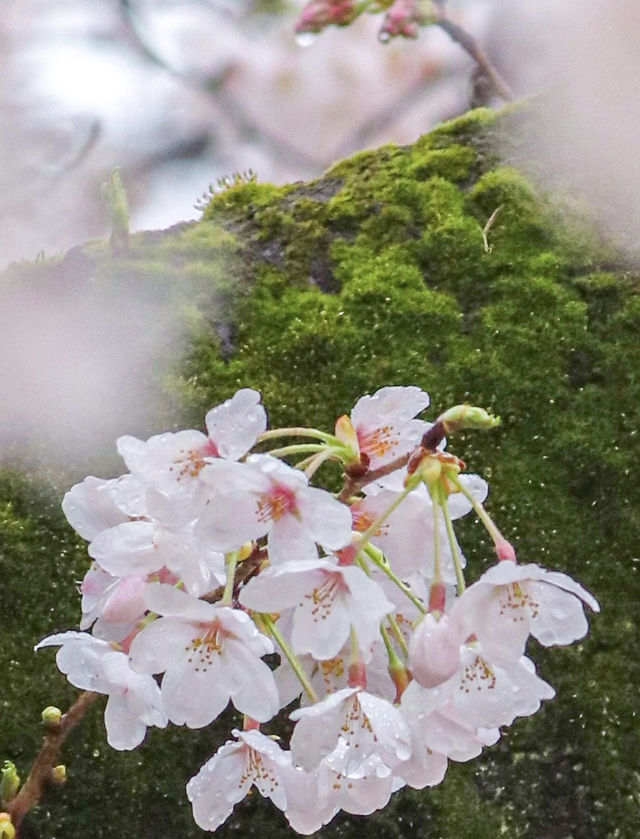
<point x="59" y="775"/>
<point x="505" y="550"/>
<point x="245" y="551"/>
<point x="467" y="416"/>
<point x="404" y="18"/>
<point x="317" y="14"/>
<point x="7" y="830"/>
<point x="9" y="783"/>
<point x="51" y="717"/>
<point x="434" y="651"/>
<point x="346" y="434"/>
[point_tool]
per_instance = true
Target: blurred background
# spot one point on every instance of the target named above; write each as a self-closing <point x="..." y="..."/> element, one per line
<point x="179" y="93"/>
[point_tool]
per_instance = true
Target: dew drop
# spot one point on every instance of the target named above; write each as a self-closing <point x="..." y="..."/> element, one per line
<point x="305" y="39"/>
<point x="383" y="36"/>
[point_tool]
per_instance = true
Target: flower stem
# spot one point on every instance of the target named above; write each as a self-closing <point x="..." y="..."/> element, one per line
<point x="316" y="462"/>
<point x="453" y="544"/>
<point x="298" y="448"/>
<point x="397" y="634"/>
<point x="383" y="565"/>
<point x="373" y="527"/>
<point x="231" y="561"/>
<point x="297" y="432"/>
<point x="482" y="514"/>
<point x="291" y="657"/>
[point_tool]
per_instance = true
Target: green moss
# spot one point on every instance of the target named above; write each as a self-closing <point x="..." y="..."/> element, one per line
<point x="377" y="274"/>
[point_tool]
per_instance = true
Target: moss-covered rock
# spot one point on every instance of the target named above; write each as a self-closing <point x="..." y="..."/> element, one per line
<point x="378" y="274"/>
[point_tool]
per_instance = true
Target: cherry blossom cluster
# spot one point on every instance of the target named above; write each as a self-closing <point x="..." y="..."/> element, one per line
<point x="215" y="550"/>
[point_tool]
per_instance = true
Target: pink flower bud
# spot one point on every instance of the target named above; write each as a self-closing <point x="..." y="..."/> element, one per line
<point x="320" y="13"/>
<point x="505" y="550"/>
<point x="434" y="651"/>
<point x="403" y="18"/>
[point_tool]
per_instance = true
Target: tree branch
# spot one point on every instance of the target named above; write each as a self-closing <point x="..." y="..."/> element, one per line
<point x="40" y="773"/>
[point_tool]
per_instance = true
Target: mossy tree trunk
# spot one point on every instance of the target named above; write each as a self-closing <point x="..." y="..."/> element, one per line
<point x="317" y="293"/>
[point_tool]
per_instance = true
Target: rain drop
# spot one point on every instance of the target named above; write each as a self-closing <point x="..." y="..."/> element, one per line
<point x="305" y="39"/>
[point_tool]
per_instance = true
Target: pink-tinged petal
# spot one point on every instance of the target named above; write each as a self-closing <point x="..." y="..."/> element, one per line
<point x="327" y="520"/>
<point x="167" y="600"/>
<point x="126" y="549"/>
<point x="230" y="520"/>
<point x="498" y="616"/>
<point x="161" y="644"/>
<point x="280" y="587"/>
<point x="234" y="426"/>
<point x="426" y="767"/>
<point x="563" y="581"/>
<point x="251" y="683"/>
<point x="389" y="404"/>
<point x="321" y="623"/>
<point x="392" y="734"/>
<point x="307" y="811"/>
<point x="490" y="695"/>
<point x="314" y="735"/>
<point x="360" y="796"/>
<point x="131" y="450"/>
<point x="193" y="697"/>
<point x="365" y="604"/>
<point x="219" y="785"/>
<point x="80" y="659"/>
<point x="289" y="541"/>
<point x="126" y="600"/>
<point x="124" y="730"/>
<point x="89" y="508"/>
<point x="268" y="766"/>
<point x="562" y="621"/>
<point x="224" y="476"/>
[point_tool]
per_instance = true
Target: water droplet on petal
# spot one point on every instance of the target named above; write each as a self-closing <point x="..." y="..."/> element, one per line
<point x="305" y="39"/>
<point x="384" y="36"/>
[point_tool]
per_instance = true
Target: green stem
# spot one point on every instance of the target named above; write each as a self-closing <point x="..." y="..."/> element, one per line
<point x="231" y="561"/>
<point x="298" y="448"/>
<point x="482" y="514"/>
<point x="383" y="565"/>
<point x="297" y="432"/>
<point x="290" y="656"/>
<point x="397" y="634"/>
<point x="453" y="544"/>
<point x="437" y="552"/>
<point x="316" y="462"/>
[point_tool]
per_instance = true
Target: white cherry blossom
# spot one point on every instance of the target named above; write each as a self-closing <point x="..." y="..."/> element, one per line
<point x="209" y="654"/>
<point x="384" y="423"/>
<point x="366" y="725"/>
<point x="253" y="759"/>
<point x="265" y="496"/>
<point x="96" y="504"/>
<point x="511" y="601"/>
<point x="327" y="600"/>
<point x="134" y="699"/>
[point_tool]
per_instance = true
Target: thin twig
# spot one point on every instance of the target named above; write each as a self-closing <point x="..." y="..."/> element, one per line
<point x="40" y="773"/>
<point x="471" y="46"/>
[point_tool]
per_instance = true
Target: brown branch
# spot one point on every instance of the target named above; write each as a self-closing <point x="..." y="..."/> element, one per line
<point x="40" y="773"/>
<point x="471" y="46"/>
